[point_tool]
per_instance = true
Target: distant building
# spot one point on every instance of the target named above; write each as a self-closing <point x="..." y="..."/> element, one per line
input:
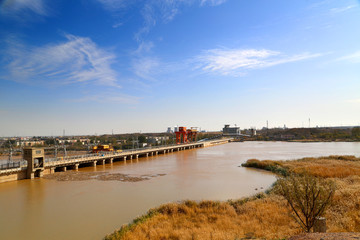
<point x="143" y="145"/>
<point x="169" y="130"/>
<point x="29" y="143"/>
<point x="231" y="131"/>
<point x="252" y="132"/>
<point x="157" y="140"/>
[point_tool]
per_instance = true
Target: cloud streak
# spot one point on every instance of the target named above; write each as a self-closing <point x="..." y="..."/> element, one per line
<point x="20" y="8"/>
<point x="342" y="9"/>
<point x="238" y="61"/>
<point x="107" y="98"/>
<point x="212" y="2"/>
<point x="155" y="11"/>
<point x="76" y="60"/>
<point x="353" y="58"/>
<point x="146" y="67"/>
<point x="113" y="5"/>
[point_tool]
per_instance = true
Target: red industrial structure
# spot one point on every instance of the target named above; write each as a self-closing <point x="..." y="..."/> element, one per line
<point x="185" y="136"/>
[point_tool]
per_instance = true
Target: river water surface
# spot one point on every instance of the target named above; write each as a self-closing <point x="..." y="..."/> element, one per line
<point x="51" y="209"/>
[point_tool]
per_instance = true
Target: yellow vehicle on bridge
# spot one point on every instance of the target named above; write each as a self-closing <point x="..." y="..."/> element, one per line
<point x="102" y="148"/>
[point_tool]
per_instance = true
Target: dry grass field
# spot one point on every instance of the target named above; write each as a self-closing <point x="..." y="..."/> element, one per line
<point x="264" y="216"/>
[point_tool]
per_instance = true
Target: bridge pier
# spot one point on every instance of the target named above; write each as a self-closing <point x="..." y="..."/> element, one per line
<point x="124" y="159"/>
<point x="63" y="169"/>
<point x="76" y="167"/>
<point x="147" y="154"/>
<point x="110" y="160"/>
<point x="137" y="156"/>
<point x="94" y="163"/>
<point x="172" y="150"/>
<point x="102" y="162"/>
<point x="52" y="170"/>
<point x="152" y="154"/>
<point x="156" y="153"/>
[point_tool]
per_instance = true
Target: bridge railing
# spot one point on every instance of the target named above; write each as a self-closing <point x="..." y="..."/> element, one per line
<point x="69" y="158"/>
<point x="12" y="165"/>
<point x="23" y="163"/>
<point x="103" y="154"/>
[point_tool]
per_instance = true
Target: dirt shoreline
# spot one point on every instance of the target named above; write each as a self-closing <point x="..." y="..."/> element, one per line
<point x="101" y="176"/>
<point x="327" y="236"/>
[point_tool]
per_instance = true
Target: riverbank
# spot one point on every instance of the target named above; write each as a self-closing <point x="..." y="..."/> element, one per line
<point x="265" y="215"/>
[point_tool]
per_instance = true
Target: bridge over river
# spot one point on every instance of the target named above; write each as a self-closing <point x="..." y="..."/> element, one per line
<point x="36" y="165"/>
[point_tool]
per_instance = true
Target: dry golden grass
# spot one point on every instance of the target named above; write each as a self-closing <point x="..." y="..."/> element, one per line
<point x="344" y="213"/>
<point x="327" y="167"/>
<point x="266" y="216"/>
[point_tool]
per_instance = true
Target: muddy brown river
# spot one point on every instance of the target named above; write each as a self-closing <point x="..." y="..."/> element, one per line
<point x="96" y="201"/>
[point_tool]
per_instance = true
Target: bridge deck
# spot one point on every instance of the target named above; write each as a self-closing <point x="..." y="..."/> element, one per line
<point x="53" y="163"/>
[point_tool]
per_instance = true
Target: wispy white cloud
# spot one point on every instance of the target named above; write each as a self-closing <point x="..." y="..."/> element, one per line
<point x="20" y="8"/>
<point x="212" y="2"/>
<point x="146" y="67"/>
<point x="117" y="25"/>
<point x="108" y="98"/>
<point x="78" y="59"/>
<point x="114" y="5"/>
<point x="144" y="47"/>
<point x="155" y="11"/>
<point x="342" y="9"/>
<point x="353" y="58"/>
<point x="237" y="61"/>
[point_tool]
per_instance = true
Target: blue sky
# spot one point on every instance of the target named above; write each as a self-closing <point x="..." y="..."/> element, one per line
<point x="129" y="66"/>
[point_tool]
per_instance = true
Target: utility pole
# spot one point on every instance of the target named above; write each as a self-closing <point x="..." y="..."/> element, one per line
<point x="64" y="146"/>
<point x="10" y="152"/>
<point x="55" y="148"/>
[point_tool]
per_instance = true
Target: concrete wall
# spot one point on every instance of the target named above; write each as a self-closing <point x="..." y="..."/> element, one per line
<point x="212" y="143"/>
<point x="13" y="177"/>
<point x="47" y="171"/>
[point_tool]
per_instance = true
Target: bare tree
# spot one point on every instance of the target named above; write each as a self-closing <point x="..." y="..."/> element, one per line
<point x="307" y="196"/>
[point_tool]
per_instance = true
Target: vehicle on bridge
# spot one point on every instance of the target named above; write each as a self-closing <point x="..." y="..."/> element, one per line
<point x="104" y="148"/>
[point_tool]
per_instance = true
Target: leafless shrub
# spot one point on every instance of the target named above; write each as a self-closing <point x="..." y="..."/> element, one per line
<point x="307" y="196"/>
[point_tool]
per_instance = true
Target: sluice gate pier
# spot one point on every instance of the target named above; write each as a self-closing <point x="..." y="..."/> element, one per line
<point x="35" y="164"/>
